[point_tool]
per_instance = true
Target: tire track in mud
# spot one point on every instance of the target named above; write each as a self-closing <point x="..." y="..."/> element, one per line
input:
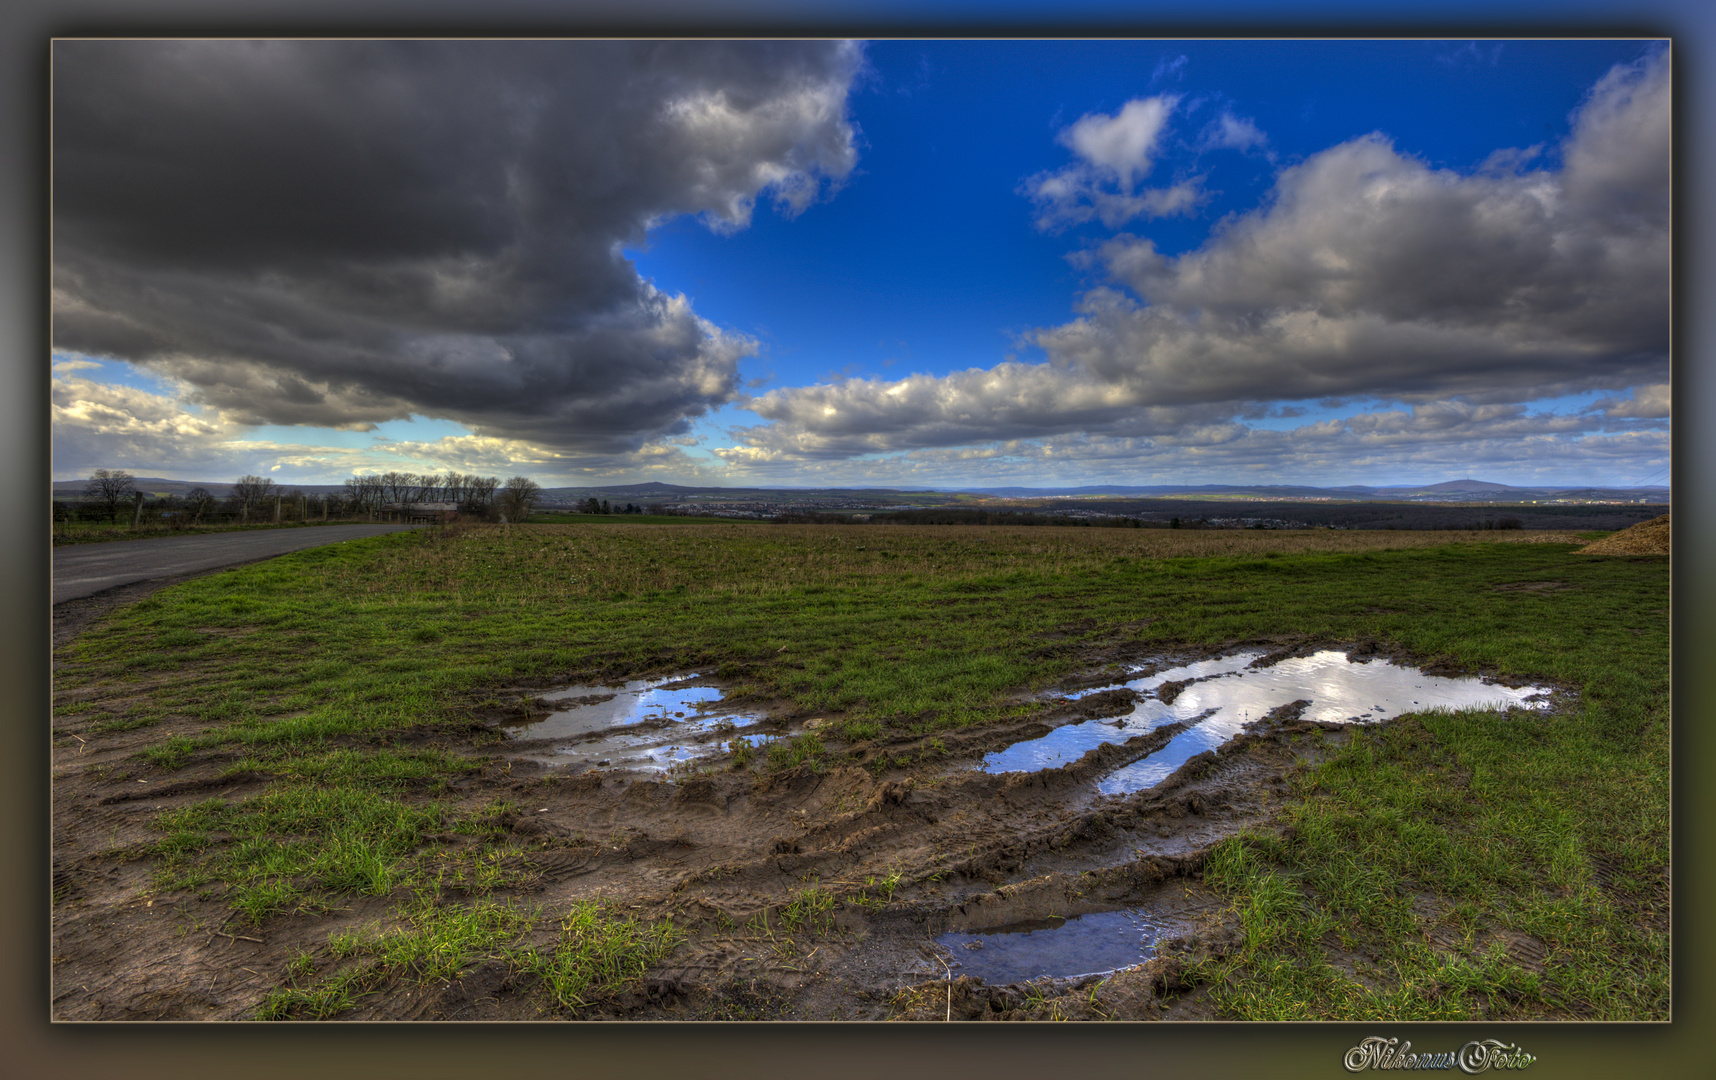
<point x="901" y="853"/>
<point x="904" y="856"/>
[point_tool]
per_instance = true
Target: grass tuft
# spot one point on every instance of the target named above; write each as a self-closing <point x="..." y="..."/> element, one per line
<point x="597" y="955"/>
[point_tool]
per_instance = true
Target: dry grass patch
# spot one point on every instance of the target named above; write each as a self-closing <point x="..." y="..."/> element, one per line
<point x="1646" y="538"/>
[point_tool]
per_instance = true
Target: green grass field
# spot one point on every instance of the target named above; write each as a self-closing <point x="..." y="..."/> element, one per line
<point x="323" y="669"/>
<point x="551" y="517"/>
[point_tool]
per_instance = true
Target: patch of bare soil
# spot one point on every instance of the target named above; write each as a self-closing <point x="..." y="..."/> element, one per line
<point x="905" y="853"/>
<point x="1646" y="538"/>
<point x="812" y="893"/>
<point x="902" y="841"/>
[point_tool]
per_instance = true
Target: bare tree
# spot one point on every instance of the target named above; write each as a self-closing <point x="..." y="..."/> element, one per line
<point x="456" y="488"/>
<point x="519" y="498"/>
<point x="398" y="488"/>
<point x="198" y="499"/>
<point x="428" y="488"/>
<point x="479" y="494"/>
<point x="365" y="493"/>
<point x="418" y="487"/>
<point x="251" y="491"/>
<point x="108" y="489"/>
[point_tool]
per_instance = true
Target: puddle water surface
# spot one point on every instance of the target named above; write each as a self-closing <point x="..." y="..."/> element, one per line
<point x="651" y="724"/>
<point x="1227" y="693"/>
<point x="1084" y="945"/>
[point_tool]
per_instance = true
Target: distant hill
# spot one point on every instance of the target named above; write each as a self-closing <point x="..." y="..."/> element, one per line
<point x="152" y="485"/>
<point x="1467" y="485"/>
<point x="1453" y="490"/>
<point x="1467" y="490"/>
<point x="652" y="490"/>
<point x="1277" y="491"/>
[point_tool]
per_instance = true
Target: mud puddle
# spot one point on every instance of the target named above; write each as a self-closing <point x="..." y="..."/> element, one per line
<point x="646" y="724"/>
<point x="1092" y="944"/>
<point x="834" y="890"/>
<point x="1217" y="698"/>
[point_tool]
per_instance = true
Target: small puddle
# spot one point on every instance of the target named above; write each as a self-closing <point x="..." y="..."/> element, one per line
<point x="1226" y="693"/>
<point x="651" y="724"/>
<point x="1059" y="948"/>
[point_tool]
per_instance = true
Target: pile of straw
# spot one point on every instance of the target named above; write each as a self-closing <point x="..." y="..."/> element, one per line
<point x="1645" y="538"/>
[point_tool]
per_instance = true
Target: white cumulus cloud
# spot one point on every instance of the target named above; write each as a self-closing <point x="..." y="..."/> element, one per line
<point x="1230" y="132"/>
<point x="1114" y="153"/>
<point x="1367" y="273"/>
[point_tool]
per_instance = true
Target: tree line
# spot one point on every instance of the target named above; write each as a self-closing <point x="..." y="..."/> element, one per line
<point x="593" y="505"/>
<point x="112" y="493"/>
<point x="468" y="494"/>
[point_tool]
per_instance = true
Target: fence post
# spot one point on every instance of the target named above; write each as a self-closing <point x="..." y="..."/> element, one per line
<point x="137" y="516"/>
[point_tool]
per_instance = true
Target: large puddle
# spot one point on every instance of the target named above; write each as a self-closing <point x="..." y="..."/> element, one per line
<point x="1059" y="948"/>
<point x="650" y="724"/>
<point x="1227" y="693"/>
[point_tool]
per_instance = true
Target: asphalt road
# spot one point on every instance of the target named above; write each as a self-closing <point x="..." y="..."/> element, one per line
<point x="85" y="569"/>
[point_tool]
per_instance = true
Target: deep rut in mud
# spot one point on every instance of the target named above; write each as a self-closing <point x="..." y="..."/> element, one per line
<point x="806" y="893"/>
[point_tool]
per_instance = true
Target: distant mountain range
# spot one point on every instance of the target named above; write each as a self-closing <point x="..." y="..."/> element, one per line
<point x="1466" y="490"/>
<point x="1454" y="490"/>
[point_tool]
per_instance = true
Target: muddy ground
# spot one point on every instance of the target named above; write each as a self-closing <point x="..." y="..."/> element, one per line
<point x="906" y="835"/>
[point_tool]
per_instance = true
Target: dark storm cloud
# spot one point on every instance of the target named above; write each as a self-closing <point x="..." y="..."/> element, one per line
<point x="343" y="233"/>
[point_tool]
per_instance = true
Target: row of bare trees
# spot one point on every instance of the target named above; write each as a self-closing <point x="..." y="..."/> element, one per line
<point x="111" y="492"/>
<point x="484" y="496"/>
<point x="468" y="494"/>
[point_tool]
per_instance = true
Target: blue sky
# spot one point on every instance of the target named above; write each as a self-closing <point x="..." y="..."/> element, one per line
<point x="920" y="264"/>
